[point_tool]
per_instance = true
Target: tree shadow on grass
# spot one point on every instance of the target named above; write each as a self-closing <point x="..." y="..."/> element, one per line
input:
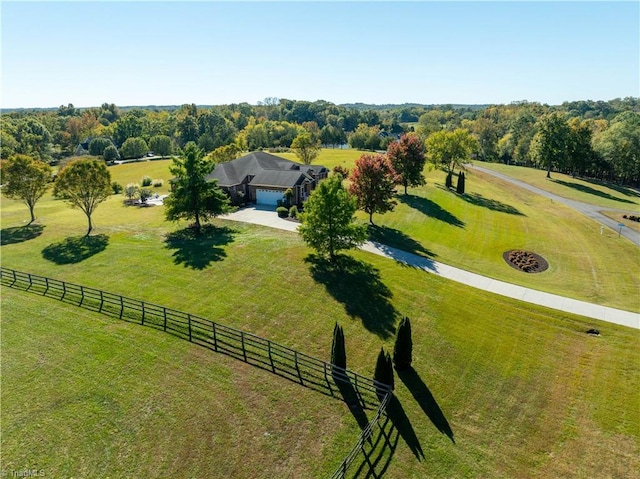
<point x="198" y="249"/>
<point x="357" y="285"/>
<point x="425" y="399"/>
<point x="352" y="400"/>
<point x="397" y="239"/>
<point x="75" y="249"/>
<point x="494" y="205"/>
<point x="625" y="190"/>
<point x="401" y="422"/>
<point x="19" y="234"/>
<point x="593" y="191"/>
<point x="383" y="446"/>
<point x="429" y="208"/>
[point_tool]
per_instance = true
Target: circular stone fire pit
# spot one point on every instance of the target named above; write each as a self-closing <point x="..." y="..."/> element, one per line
<point x="525" y="261"/>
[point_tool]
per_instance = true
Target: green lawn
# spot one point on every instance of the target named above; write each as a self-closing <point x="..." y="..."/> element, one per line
<point x="504" y="374"/>
<point x="609" y="196"/>
<point x="525" y="392"/>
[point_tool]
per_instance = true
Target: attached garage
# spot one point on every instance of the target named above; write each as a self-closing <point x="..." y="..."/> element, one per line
<point x="268" y="197"/>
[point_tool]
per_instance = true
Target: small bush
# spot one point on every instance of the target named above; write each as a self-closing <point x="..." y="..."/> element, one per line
<point x="131" y="191"/>
<point x="116" y="187"/>
<point x="157" y="183"/>
<point x="145" y="194"/>
<point x="146" y="181"/>
<point x="282" y="211"/>
<point x="293" y="211"/>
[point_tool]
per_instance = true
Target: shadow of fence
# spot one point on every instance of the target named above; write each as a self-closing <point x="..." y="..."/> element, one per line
<point x="285" y="362"/>
<point x="357" y="391"/>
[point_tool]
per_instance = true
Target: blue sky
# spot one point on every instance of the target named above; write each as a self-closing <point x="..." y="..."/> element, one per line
<point x="166" y="53"/>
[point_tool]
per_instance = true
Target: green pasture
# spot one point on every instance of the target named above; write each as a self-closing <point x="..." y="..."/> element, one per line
<point x="522" y="390"/>
<point x="607" y="195"/>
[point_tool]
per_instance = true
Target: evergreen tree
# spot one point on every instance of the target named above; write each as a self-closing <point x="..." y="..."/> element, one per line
<point x="338" y="350"/>
<point x="384" y="371"/>
<point x="460" y="184"/>
<point x="449" y="181"/>
<point x="403" y="347"/>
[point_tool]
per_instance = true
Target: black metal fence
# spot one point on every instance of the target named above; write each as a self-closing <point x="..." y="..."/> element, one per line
<point x="266" y="354"/>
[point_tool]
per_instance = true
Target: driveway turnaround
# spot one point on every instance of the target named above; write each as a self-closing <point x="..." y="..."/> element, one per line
<point x="268" y="217"/>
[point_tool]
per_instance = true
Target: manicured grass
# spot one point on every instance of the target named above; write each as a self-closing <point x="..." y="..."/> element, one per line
<point x="524" y="390"/>
<point x="588" y="191"/>
<point x="84" y="395"/>
<point x="133" y="173"/>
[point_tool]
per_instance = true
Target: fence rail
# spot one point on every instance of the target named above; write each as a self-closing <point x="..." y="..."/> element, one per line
<point x="255" y="350"/>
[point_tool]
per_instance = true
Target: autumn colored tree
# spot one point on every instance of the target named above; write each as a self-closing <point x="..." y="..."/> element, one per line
<point x="408" y="159"/>
<point x="25" y="178"/>
<point x="84" y="184"/>
<point x="372" y="182"/>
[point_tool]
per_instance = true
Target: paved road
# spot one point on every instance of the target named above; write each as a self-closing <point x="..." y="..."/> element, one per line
<point x="267" y="217"/>
<point x="592" y="211"/>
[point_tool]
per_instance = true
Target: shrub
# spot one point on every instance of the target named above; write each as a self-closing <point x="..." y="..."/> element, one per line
<point x="384" y="371"/>
<point x="157" y="183"/>
<point x="145" y="194"/>
<point x="338" y="351"/>
<point x="282" y="211"/>
<point x="293" y="211"/>
<point x="341" y="170"/>
<point x="131" y="191"/>
<point x="449" y="181"/>
<point x="403" y="347"/>
<point x="116" y="187"/>
<point x="146" y="181"/>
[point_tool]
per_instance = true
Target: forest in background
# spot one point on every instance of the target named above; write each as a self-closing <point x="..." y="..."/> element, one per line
<point x="595" y="139"/>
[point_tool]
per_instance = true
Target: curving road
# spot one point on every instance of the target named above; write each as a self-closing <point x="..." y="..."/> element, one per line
<point x="592" y="211"/>
<point x="267" y="217"/>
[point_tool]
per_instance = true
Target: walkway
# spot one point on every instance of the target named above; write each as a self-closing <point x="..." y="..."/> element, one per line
<point x="267" y="217"/>
<point x="592" y="211"/>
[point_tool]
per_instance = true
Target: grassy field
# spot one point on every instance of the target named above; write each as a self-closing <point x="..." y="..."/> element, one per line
<point x="525" y="392"/>
<point x="609" y="196"/>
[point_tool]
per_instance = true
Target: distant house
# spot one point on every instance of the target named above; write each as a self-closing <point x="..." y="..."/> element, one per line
<point x="263" y="178"/>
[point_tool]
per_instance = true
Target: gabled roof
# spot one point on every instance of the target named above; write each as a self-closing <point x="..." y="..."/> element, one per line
<point x="270" y="170"/>
<point x="279" y="179"/>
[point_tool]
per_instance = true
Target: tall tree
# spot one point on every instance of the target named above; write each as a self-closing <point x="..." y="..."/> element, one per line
<point x="372" y="182"/>
<point x="384" y="371"/>
<point x="25" y="178"/>
<point x="408" y="159"/>
<point x="98" y="145"/>
<point x="134" y="148"/>
<point x="460" y="185"/>
<point x="551" y="143"/>
<point x="161" y="145"/>
<point x="306" y="147"/>
<point x="84" y="184"/>
<point x="328" y="223"/>
<point x="338" y="349"/>
<point x="193" y="197"/>
<point x="403" y="347"/>
<point x="619" y="145"/>
<point x="451" y="149"/>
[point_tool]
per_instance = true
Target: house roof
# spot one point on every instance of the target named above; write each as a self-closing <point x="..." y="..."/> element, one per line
<point x="266" y="170"/>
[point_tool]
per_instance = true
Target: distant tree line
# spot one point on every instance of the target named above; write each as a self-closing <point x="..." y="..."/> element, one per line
<point x="596" y="139"/>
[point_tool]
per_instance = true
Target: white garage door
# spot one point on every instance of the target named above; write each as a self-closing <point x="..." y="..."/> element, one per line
<point x="268" y="197"/>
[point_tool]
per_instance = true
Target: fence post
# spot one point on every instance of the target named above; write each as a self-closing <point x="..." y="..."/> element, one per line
<point x="244" y="351"/>
<point x="64" y="289"/>
<point x="81" y="295"/>
<point x="295" y="356"/>
<point x="273" y="368"/>
<point x="101" y="301"/>
<point x="189" y="321"/>
<point x="121" y="307"/>
<point x="164" y="311"/>
<point x="46" y="287"/>
<point x="15" y="278"/>
<point x="215" y="336"/>
<point x="142" y="304"/>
